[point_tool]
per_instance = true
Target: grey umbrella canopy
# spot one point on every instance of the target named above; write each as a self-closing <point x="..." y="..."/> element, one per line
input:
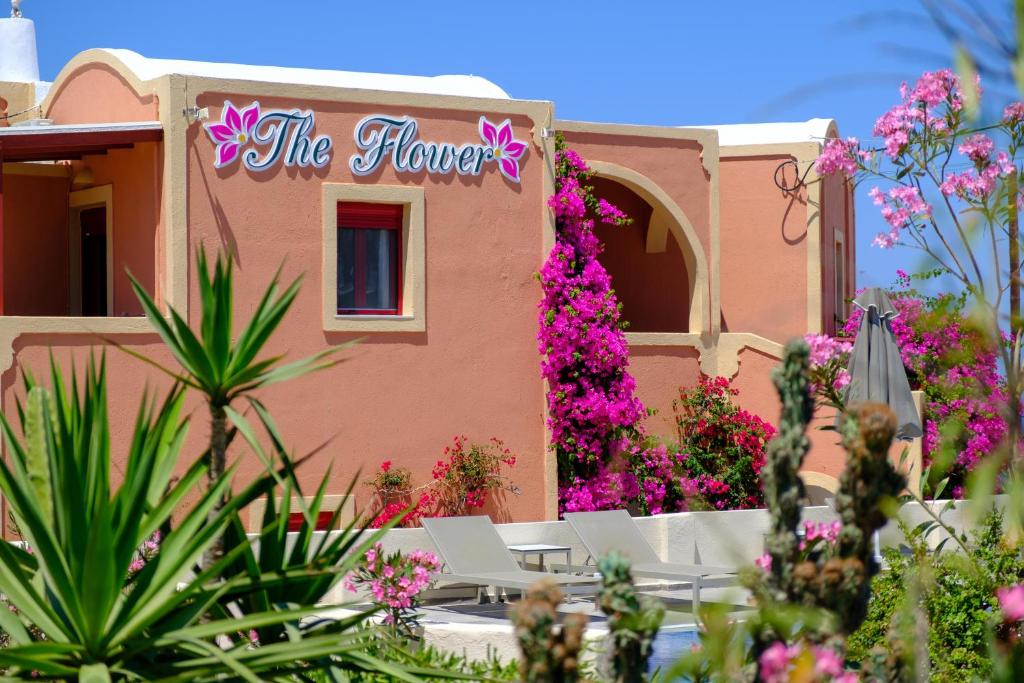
<point x="876" y="368"/>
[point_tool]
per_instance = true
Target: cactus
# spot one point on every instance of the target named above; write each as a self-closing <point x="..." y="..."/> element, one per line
<point x="633" y="620"/>
<point x="783" y="489"/>
<point x="868" y="481"/>
<point x="835" y="582"/>
<point x="549" y="654"/>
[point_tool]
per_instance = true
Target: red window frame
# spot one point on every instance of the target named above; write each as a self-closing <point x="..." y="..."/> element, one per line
<point x="372" y="216"/>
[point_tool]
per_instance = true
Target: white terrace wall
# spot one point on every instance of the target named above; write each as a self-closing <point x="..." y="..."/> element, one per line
<point x="729" y="538"/>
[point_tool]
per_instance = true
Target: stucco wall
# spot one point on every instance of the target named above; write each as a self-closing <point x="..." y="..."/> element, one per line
<point x="763" y="249"/>
<point x="96" y="93"/>
<point x="675" y="165"/>
<point x="403" y="395"/>
<point x="474" y="369"/>
<point x="35" y="245"/>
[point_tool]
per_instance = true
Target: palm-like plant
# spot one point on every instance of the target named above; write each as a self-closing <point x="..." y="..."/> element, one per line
<point x="80" y="607"/>
<point x="72" y="582"/>
<point x="215" y="365"/>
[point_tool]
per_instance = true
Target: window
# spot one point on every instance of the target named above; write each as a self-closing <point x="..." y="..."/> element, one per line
<point x="369" y="258"/>
<point x="840" y="278"/>
<point x="373" y="258"/>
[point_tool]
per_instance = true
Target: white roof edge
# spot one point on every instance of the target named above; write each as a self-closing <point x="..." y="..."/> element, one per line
<point x="50" y="129"/>
<point x="147" y="69"/>
<point x="812" y="130"/>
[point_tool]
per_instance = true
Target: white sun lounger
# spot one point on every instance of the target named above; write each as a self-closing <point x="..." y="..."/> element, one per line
<point x="614" y="530"/>
<point x="474" y="553"/>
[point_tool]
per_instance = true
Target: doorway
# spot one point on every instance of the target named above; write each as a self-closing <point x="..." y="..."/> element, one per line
<point x="91" y="243"/>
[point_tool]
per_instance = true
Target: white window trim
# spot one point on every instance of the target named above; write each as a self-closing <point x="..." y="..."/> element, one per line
<point x="78" y="200"/>
<point x="413" y="315"/>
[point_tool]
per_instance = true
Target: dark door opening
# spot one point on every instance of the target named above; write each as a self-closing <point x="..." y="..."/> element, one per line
<point x="94" y="261"/>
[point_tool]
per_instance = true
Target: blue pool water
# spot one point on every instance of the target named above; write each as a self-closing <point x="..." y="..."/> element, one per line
<point x="670" y="645"/>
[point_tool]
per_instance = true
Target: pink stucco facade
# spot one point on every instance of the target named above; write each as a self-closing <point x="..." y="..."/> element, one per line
<point x="718" y="269"/>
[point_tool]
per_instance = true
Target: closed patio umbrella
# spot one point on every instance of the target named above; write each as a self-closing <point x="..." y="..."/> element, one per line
<point x="876" y="368"/>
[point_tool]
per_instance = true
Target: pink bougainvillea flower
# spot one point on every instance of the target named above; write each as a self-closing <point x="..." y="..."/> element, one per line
<point x="232" y="131"/>
<point x="506" y="150"/>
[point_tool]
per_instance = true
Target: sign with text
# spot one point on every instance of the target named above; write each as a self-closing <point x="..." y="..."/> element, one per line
<point x="262" y="139"/>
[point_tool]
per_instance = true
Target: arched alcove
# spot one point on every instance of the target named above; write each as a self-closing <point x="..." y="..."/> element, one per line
<point x="652" y="285"/>
<point x="658" y="265"/>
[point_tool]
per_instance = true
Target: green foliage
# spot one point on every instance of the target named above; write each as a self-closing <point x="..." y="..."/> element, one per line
<point x="425" y="663"/>
<point x="215" y="362"/>
<point x="784" y="491"/>
<point x="957" y="601"/>
<point x="219" y="365"/>
<point x="83" y="607"/>
<point x="98" y="619"/>
<point x="806" y="598"/>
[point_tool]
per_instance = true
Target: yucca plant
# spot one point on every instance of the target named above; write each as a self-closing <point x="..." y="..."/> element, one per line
<point x="71" y="579"/>
<point x="214" y="363"/>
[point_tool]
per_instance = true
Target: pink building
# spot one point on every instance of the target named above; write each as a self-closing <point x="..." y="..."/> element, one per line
<point x="419" y="230"/>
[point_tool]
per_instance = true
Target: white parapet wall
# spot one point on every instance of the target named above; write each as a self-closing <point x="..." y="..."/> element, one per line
<point x="726" y="538"/>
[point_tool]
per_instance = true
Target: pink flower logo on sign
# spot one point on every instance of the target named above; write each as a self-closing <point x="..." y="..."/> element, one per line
<point x="232" y="132"/>
<point x="504" y="148"/>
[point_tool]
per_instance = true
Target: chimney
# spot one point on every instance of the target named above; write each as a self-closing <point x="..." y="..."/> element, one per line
<point x="19" y="61"/>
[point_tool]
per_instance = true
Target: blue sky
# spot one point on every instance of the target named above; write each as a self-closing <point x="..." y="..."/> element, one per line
<point x="665" y="62"/>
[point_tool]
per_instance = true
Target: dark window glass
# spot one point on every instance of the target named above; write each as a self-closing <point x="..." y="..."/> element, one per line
<point x="369" y="277"/>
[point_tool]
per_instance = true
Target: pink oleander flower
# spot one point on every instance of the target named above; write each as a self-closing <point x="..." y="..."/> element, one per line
<point x="780" y="663"/>
<point x="1011" y="602"/>
<point x="1013" y="113"/>
<point x="977" y="148"/>
<point x="506" y="150"/>
<point x="838" y="156"/>
<point x="827" y="662"/>
<point x="775" y="662"/>
<point x="232" y="132"/>
<point x="901" y="206"/>
<point x="764" y="562"/>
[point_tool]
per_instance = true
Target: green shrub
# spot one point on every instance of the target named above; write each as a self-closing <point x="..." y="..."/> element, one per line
<point x="957" y="600"/>
<point x="431" y="659"/>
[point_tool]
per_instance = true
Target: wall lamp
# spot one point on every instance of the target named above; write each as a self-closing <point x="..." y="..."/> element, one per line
<point x="195" y="113"/>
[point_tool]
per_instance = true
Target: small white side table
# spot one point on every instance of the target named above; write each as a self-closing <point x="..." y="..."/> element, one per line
<point x="540" y="550"/>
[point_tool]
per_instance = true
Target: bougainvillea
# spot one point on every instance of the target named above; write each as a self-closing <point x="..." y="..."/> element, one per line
<point x="958" y="371"/>
<point x="590" y="398"/>
<point x="471" y="473"/>
<point x="604" y="459"/>
<point x="948" y="359"/>
<point x="465" y="477"/>
<point x="721" y="447"/>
